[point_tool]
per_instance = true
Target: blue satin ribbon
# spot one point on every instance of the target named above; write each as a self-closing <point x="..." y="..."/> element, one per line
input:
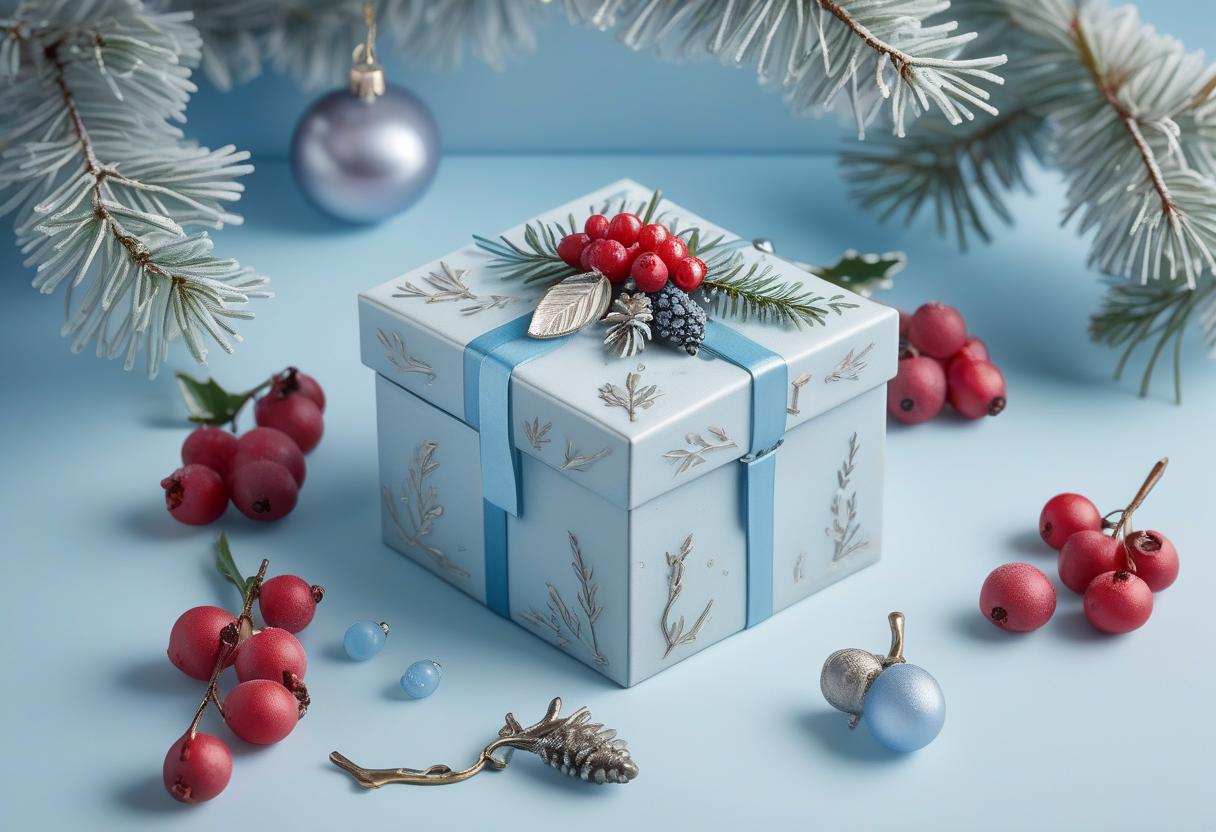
<point x="759" y="482"/>
<point x="489" y="361"/>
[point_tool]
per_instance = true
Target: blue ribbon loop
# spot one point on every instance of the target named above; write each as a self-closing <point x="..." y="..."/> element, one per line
<point x="759" y="482"/>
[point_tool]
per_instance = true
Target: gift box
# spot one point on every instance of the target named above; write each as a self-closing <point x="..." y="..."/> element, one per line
<point x="633" y="510"/>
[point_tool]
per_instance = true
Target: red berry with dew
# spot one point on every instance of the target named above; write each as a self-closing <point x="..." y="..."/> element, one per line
<point x="268" y="654"/>
<point x="1066" y="514"/>
<point x="975" y="388"/>
<point x="297" y="416"/>
<point x="273" y="445"/>
<point x="652" y="236"/>
<point x="261" y="711"/>
<point x="1018" y="597"/>
<point x="671" y="251"/>
<point x="1155" y="558"/>
<point x="1118" y="602"/>
<point x="596" y="226"/>
<point x="194" y="641"/>
<point x="570" y="248"/>
<point x="197" y="768"/>
<point x="209" y="446"/>
<point x="918" y="391"/>
<point x="611" y="258"/>
<point x="289" y="602"/>
<point x="649" y="272"/>
<point x="195" y="495"/>
<point x="937" y="330"/>
<point x="1087" y="554"/>
<point x="624" y="228"/>
<point x="264" y="490"/>
<point x="689" y="273"/>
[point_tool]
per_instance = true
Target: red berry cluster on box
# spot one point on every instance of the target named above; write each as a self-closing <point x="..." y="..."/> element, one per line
<point x="1115" y="569"/>
<point x="261" y="471"/>
<point x="623" y="247"/>
<point x="270" y="697"/>
<point x="940" y="362"/>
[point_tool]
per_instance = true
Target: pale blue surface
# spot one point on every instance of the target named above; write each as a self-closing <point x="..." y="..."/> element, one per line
<point x="1058" y="729"/>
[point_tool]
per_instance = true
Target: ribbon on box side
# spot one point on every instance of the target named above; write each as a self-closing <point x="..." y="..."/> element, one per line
<point x="759" y="479"/>
<point x="489" y="361"/>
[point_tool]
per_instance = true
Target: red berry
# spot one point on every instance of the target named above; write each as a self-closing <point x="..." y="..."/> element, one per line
<point x="289" y="602"/>
<point x="584" y="259"/>
<point x="1064" y="515"/>
<point x="671" y="251"/>
<point x="937" y="330"/>
<point x="195" y="495"/>
<point x="1155" y="558"/>
<point x="264" y="490"/>
<point x="611" y="258"/>
<point x="197" y="768"/>
<point x="271" y="444"/>
<point x="976" y="388"/>
<point x="261" y="711"/>
<point x="570" y="248"/>
<point x="1018" y="597"/>
<point x="268" y="654"/>
<point x="209" y="446"/>
<point x="624" y="228"/>
<point x="1118" y="602"/>
<point x="194" y="641"/>
<point x="596" y="226"/>
<point x="649" y="272"/>
<point x="918" y="391"/>
<point x="297" y="416"/>
<point x="652" y="236"/>
<point x="689" y="273"/>
<point x="1087" y="554"/>
<point x="292" y="382"/>
<point x="973" y="349"/>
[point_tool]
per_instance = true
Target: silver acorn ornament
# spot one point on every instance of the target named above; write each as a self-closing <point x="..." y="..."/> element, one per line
<point x="847" y="674"/>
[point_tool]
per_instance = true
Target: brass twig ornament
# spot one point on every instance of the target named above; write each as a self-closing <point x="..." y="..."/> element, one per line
<point x="574" y="745"/>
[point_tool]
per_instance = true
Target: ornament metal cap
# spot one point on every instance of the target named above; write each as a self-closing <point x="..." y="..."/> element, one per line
<point x="847" y="674"/>
<point x="366" y="74"/>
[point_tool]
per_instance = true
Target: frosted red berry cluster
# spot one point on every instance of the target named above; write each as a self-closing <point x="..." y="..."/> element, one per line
<point x="270" y="697"/>
<point x="1115" y="569"/>
<point x="261" y="471"/>
<point x="940" y="362"/>
<point x="622" y="247"/>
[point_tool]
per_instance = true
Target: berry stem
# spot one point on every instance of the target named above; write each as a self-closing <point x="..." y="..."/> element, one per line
<point x="230" y="637"/>
<point x="1124" y="523"/>
<point x="896" y="654"/>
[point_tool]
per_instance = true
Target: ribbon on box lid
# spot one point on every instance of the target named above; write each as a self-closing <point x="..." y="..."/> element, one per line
<point x="489" y="361"/>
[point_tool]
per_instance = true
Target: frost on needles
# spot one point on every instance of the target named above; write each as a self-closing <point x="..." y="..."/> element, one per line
<point x="106" y="192"/>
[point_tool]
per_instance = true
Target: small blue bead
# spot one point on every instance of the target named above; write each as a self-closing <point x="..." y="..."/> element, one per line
<point x="421" y="678"/>
<point x="363" y="640"/>
<point x="904" y="708"/>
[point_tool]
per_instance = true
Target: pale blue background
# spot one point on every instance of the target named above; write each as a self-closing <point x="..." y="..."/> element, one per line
<point x="1061" y="729"/>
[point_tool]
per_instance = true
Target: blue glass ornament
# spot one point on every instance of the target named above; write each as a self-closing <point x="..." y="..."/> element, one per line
<point x="421" y="679"/>
<point x="904" y="708"/>
<point x="364" y="639"/>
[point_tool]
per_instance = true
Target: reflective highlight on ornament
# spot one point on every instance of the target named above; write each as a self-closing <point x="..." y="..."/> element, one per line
<point x="901" y="704"/>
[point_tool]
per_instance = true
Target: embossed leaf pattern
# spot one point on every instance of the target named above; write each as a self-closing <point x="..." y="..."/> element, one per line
<point x="570" y="305"/>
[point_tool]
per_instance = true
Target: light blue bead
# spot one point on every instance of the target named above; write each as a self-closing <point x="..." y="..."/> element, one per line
<point x="904" y="708"/>
<point x="363" y="640"/>
<point x="421" y="678"/>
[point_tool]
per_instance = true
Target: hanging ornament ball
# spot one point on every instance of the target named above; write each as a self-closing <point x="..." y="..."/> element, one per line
<point x="905" y="708"/>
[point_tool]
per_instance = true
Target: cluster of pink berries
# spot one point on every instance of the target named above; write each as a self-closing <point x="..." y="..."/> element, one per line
<point x="262" y="471"/>
<point x="270" y="697"/>
<point x="623" y="247"/>
<point x="940" y="362"/>
<point x="1116" y="570"/>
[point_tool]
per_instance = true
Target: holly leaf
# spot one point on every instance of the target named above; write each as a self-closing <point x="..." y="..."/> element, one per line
<point x="227" y="567"/>
<point x="207" y="403"/>
<point x="863" y="273"/>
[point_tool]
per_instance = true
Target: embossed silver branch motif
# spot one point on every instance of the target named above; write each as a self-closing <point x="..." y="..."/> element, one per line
<point x="537" y="433"/>
<point x="422" y="509"/>
<point x="634" y="397"/>
<point x="698" y="447"/>
<point x="399" y="356"/>
<point x="576" y="460"/>
<point x="850" y="367"/>
<point x="673" y="631"/>
<point x="574" y="745"/>
<point x="448" y="285"/>
<point x="563" y="623"/>
<point x="845" y="531"/>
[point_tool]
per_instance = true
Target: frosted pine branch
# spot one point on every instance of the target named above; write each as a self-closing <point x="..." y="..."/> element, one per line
<point x="104" y="189"/>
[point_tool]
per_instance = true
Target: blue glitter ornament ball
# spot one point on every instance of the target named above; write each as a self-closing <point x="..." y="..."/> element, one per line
<point x="421" y="678"/>
<point x="904" y="708"/>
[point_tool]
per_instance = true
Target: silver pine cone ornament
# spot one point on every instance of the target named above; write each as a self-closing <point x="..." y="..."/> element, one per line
<point x="628" y="324"/>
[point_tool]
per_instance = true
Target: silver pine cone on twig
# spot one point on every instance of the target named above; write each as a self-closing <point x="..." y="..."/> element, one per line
<point x="628" y="324"/>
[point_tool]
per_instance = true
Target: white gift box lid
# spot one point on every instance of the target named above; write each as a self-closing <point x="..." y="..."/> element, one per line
<point x="414" y="333"/>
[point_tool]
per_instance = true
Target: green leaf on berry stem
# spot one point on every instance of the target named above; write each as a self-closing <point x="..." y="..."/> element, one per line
<point x="863" y="273"/>
<point x="227" y="567"/>
<point x="207" y="402"/>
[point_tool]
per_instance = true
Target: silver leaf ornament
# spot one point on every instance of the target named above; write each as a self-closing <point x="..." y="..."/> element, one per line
<point x="570" y="305"/>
